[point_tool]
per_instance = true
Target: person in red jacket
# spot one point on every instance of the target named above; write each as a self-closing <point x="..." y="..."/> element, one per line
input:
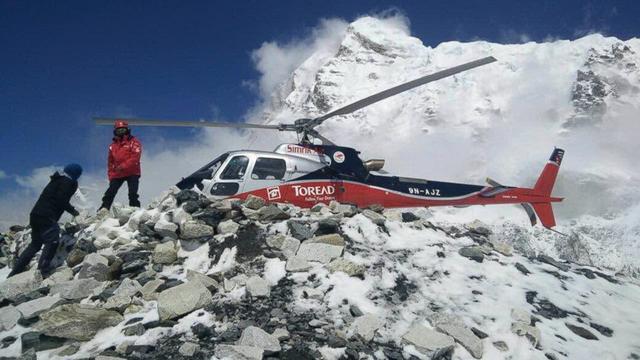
<point x="123" y="165"/>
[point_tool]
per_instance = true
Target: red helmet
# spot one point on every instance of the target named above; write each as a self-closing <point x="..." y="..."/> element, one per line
<point x="120" y="124"/>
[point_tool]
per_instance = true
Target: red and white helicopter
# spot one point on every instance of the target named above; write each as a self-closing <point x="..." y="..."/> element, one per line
<point x="305" y="174"/>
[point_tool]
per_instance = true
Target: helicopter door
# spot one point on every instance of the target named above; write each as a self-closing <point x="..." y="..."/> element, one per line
<point x="266" y="172"/>
<point x="231" y="179"/>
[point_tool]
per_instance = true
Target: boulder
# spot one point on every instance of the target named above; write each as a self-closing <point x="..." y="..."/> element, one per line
<point x="429" y="342"/>
<point x="348" y="267"/>
<point x="256" y="337"/>
<point x="271" y="213"/>
<point x="474" y="253"/>
<point x="95" y="258"/>
<point x="77" y="322"/>
<point x="289" y="246"/>
<point x="228" y="227"/>
<point x="238" y="352"/>
<point x="503" y="248"/>
<point x="165" y="253"/>
<point x="319" y="252"/>
<point x="128" y="287"/>
<point x="165" y="228"/>
<point x="532" y="333"/>
<point x="117" y="303"/>
<point x="35" y="307"/>
<point x="258" y="287"/>
<point x="188" y="349"/>
<point x="299" y="230"/>
<point x="254" y="202"/>
<point x="9" y="317"/>
<point x="195" y="230"/>
<point x="331" y="239"/>
<point x="344" y="209"/>
<point x="149" y="289"/>
<point x="62" y="274"/>
<point x="375" y="217"/>
<point x="455" y="327"/>
<point x="328" y="226"/>
<point x="205" y="280"/>
<point x="365" y="326"/>
<point x="20" y="283"/>
<point x="134" y="330"/>
<point x="551" y="261"/>
<point x="183" y="299"/>
<point x="75" y="289"/>
<point x="281" y="334"/>
<point x="582" y="332"/>
<point x="297" y="264"/>
<point x="99" y="271"/>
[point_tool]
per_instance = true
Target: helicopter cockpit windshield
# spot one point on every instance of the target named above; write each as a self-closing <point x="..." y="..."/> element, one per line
<point x="205" y="173"/>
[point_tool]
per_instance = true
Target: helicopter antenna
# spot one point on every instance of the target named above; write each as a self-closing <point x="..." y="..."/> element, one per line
<point x="305" y="127"/>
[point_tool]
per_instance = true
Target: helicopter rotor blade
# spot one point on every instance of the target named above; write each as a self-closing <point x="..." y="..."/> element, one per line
<point x="187" y="123"/>
<point x="400" y="88"/>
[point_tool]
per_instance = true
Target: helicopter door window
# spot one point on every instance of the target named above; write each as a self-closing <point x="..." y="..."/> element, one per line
<point x="269" y="169"/>
<point x="224" y="188"/>
<point x="235" y="169"/>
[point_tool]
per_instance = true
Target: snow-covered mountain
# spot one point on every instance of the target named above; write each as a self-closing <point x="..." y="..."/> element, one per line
<point x="501" y="120"/>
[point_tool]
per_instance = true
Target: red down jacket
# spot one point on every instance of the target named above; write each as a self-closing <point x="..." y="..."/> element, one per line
<point x="124" y="157"/>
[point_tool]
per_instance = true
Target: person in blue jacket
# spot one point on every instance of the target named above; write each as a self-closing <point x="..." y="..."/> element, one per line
<point x="52" y="203"/>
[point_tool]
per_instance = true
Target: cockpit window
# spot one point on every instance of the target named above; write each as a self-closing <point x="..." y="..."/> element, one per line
<point x="269" y="169"/>
<point x="235" y="169"/>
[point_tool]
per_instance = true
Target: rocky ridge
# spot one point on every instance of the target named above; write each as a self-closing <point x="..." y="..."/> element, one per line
<point x="193" y="278"/>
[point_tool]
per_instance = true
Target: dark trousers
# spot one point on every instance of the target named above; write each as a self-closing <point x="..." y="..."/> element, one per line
<point x="43" y="232"/>
<point x="114" y="186"/>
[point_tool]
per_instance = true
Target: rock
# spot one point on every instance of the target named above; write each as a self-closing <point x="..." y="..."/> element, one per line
<point x="75" y="289"/>
<point x="288" y="246"/>
<point x="35" y="307"/>
<point x="455" y="327"/>
<point x="365" y="326"/>
<point x="20" y="283"/>
<point x="522" y="329"/>
<point x="234" y="352"/>
<point x="281" y="334"/>
<point x="501" y="345"/>
<point x="297" y="264"/>
<point x="191" y="206"/>
<point x="331" y="239"/>
<point x="62" y="274"/>
<point x="520" y="315"/>
<point x="299" y="230"/>
<point x="375" y="217"/>
<point x="409" y="217"/>
<point x="205" y="280"/>
<point x="582" y="332"/>
<point x="40" y="342"/>
<point x="117" y="303"/>
<point x="188" y="349"/>
<point x="135" y="330"/>
<point x="271" y="213"/>
<point x="75" y="321"/>
<point x="165" y="253"/>
<point x="258" y="287"/>
<point x="355" y="311"/>
<point x="165" y="228"/>
<point x="95" y="258"/>
<point x="327" y="226"/>
<point x="474" y="253"/>
<point x="102" y="357"/>
<point x="99" y="271"/>
<point x="348" y="267"/>
<point x="343" y="209"/>
<point x="128" y="287"/>
<point x="522" y="269"/>
<point x="256" y="337"/>
<point x="602" y="329"/>
<point x="228" y="227"/>
<point x="9" y="317"/>
<point x="319" y="252"/>
<point x="431" y="343"/>
<point x="75" y="257"/>
<point x="183" y="299"/>
<point x="195" y="230"/>
<point x="551" y="261"/>
<point x="479" y="333"/>
<point x="134" y="266"/>
<point x="254" y="202"/>
<point x="312" y="293"/>
<point x="503" y="248"/>
<point x="149" y="289"/>
<point x="186" y="195"/>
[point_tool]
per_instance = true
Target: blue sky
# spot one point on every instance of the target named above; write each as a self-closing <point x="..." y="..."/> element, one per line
<point x="63" y="62"/>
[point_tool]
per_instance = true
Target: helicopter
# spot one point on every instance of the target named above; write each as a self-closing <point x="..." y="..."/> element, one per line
<point x="305" y="173"/>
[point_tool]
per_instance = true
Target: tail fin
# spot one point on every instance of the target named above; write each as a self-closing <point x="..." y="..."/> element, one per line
<point x="544" y="186"/>
<point x="547" y="178"/>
